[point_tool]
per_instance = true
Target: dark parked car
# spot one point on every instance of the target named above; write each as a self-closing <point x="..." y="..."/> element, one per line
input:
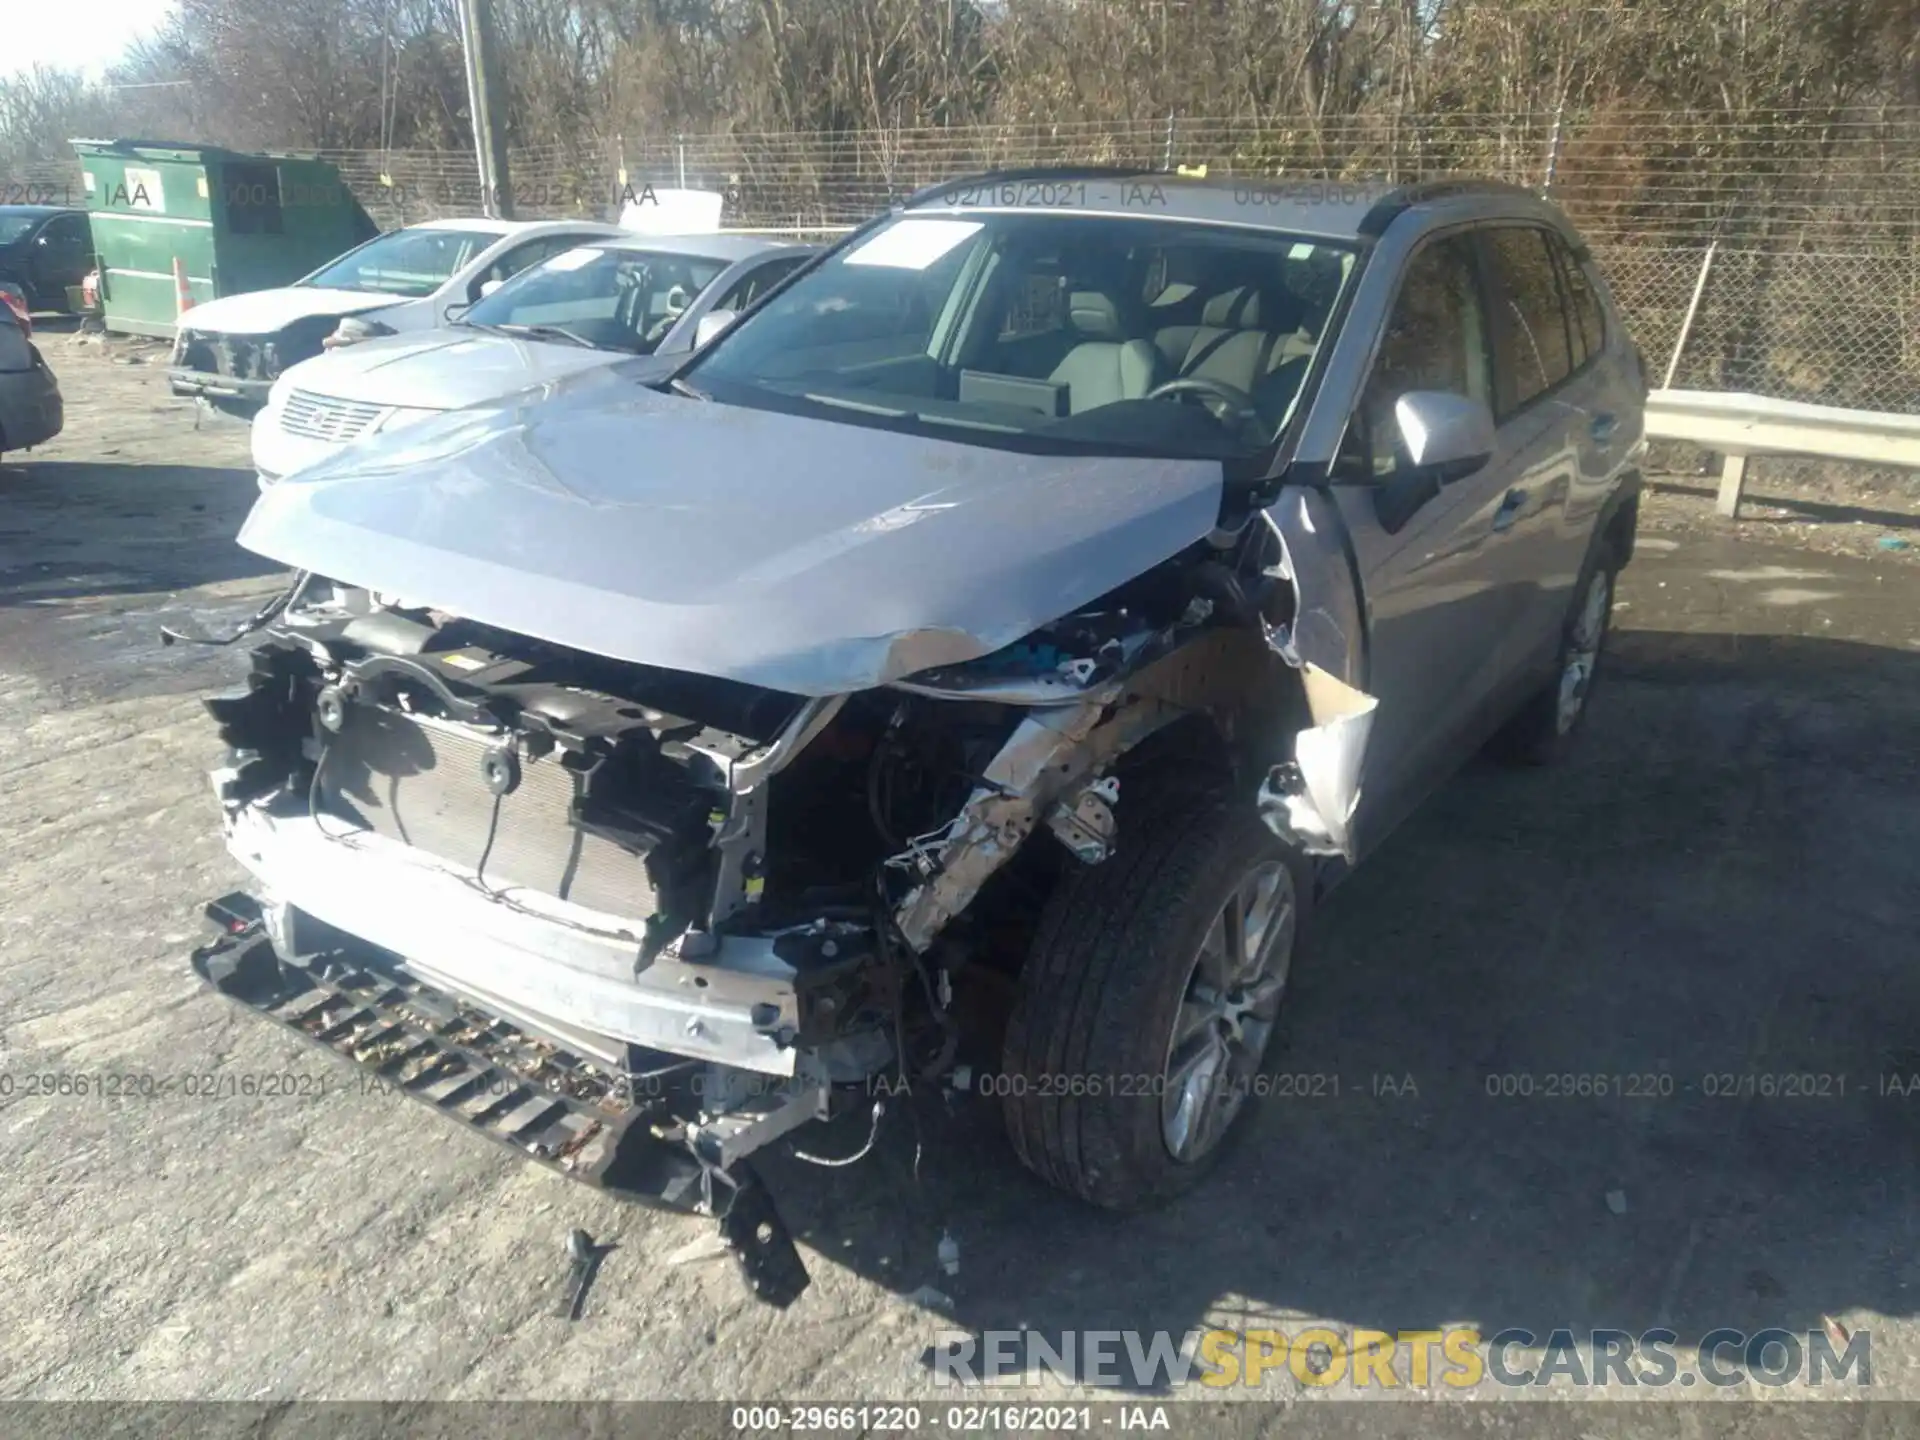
<point x="43" y="250"/>
<point x="31" y="411"/>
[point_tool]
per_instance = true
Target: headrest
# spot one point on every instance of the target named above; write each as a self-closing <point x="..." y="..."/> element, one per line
<point x="1315" y="282"/>
<point x="1235" y="309"/>
<point x="1095" y="315"/>
<point x="1174" y="294"/>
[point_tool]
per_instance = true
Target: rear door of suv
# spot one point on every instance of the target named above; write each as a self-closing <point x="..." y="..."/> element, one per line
<point x="1557" y="420"/>
<point x="1607" y="387"/>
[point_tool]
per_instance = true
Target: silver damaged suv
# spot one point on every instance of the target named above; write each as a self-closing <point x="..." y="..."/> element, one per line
<point x="975" y="662"/>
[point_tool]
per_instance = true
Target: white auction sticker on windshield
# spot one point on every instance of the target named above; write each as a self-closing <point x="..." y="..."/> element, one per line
<point x="574" y="259"/>
<point x="913" y="244"/>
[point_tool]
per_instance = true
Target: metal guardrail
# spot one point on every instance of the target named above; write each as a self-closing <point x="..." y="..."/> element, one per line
<point x="1736" y="425"/>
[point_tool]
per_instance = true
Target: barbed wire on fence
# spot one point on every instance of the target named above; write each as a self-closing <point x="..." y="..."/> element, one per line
<point x="1814" y="294"/>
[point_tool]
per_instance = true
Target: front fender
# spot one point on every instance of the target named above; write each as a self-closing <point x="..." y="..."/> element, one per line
<point x="1329" y="628"/>
<point x="1310" y="801"/>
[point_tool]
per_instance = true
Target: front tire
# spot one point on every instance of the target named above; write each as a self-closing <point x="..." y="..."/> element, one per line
<point x="1150" y="993"/>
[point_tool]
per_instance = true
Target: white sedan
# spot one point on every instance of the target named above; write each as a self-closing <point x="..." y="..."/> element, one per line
<point x="594" y="304"/>
<point x="231" y="350"/>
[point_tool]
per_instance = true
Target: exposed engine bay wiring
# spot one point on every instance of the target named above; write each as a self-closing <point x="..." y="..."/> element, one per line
<point x="895" y="956"/>
<point x="263" y="616"/>
<point x="834" y="1162"/>
<point x="344" y="837"/>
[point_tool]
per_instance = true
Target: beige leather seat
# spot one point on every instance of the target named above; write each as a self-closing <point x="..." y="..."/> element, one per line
<point x="1235" y="309"/>
<point x="1230" y="346"/>
<point x="1105" y="365"/>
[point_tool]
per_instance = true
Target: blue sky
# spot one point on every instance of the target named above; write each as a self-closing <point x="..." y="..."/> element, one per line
<point x="85" y="35"/>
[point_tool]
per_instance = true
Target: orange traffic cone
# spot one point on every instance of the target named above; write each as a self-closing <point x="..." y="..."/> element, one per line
<point x="182" y="296"/>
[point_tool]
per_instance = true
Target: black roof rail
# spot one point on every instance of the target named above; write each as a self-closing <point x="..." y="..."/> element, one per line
<point x="1392" y="206"/>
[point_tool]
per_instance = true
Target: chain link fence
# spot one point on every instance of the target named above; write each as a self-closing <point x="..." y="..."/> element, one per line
<point x="1835" y="329"/>
<point x="1813" y="292"/>
<point x="837" y="178"/>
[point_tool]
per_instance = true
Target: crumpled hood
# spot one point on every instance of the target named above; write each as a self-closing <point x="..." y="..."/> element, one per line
<point x="442" y="369"/>
<point x="795" y="553"/>
<point x="261" y="312"/>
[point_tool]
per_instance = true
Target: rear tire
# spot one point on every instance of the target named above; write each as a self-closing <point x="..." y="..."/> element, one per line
<point x="1107" y="1099"/>
<point x="1542" y="731"/>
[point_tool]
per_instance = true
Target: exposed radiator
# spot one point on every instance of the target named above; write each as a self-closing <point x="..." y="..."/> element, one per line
<point x="419" y="781"/>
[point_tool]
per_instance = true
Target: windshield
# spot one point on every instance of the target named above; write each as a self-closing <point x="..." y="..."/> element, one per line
<point x="410" y="263"/>
<point x="615" y="299"/>
<point x="13" y="227"/>
<point x="1080" y="331"/>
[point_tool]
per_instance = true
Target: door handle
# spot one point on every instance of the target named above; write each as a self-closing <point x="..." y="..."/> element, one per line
<point x="1510" y="506"/>
<point x="1603" y="428"/>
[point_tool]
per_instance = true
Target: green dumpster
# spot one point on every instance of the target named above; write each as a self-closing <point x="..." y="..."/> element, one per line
<point x="237" y="222"/>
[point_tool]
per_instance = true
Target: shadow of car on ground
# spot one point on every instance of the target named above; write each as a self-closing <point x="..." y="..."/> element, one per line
<point x="71" y="530"/>
<point x="1715" y="890"/>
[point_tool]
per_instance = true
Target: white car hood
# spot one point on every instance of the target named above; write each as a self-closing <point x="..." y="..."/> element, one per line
<point x="442" y="369"/>
<point x="261" y="312"/>
<point x="800" y="554"/>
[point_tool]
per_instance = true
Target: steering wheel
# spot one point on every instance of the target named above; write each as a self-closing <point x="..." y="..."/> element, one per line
<point x="677" y="301"/>
<point x="1232" y="402"/>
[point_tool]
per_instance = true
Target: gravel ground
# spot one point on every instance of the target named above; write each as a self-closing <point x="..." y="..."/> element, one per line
<point x="1720" y="883"/>
<point x="1812" y="506"/>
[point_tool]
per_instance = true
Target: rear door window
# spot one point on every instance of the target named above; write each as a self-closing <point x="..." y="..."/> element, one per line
<point x="67" y="237"/>
<point x="1529" y="324"/>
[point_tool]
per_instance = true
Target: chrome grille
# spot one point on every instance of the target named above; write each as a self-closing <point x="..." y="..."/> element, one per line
<point x="419" y="781"/>
<point x="321" y="417"/>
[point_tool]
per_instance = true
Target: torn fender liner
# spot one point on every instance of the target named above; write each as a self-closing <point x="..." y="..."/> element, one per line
<point x="1311" y="800"/>
<point x="540" y="1102"/>
<point x="799" y="554"/>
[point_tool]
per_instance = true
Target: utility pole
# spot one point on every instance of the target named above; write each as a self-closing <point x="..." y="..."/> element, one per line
<point x="484" y="91"/>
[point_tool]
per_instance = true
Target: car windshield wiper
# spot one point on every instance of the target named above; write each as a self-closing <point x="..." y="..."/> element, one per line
<point x="681" y="387"/>
<point x="542" y="332"/>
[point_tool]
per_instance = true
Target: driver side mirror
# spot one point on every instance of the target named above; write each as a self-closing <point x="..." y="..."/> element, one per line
<point x="711" y="324"/>
<point x="487" y="287"/>
<point x="1444" y="435"/>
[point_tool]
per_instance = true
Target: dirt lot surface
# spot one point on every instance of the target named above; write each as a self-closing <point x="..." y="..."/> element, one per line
<point x="1719" y="885"/>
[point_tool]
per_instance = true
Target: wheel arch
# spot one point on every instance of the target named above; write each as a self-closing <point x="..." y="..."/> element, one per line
<point x="1620" y="519"/>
